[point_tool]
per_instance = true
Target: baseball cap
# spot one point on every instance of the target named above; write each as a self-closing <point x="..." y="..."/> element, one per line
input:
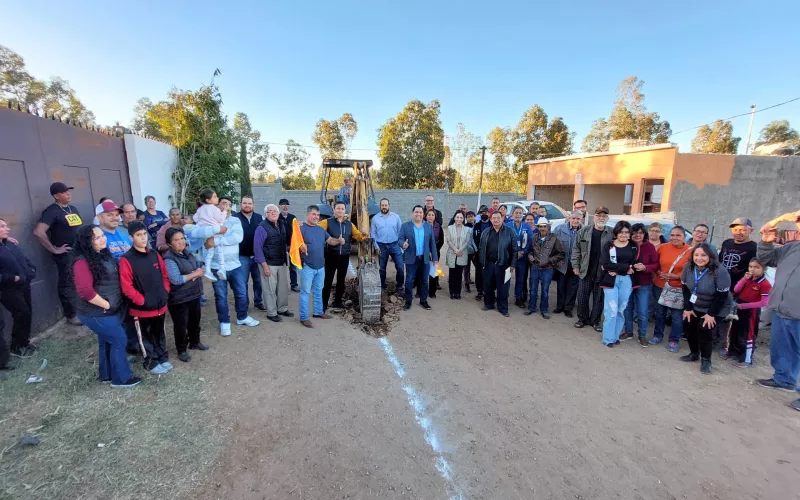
<point x="741" y="221"/>
<point x="106" y="206"/>
<point x="483" y="208"/>
<point x="601" y="210"/>
<point x="59" y="187"/>
<point x="543" y="221"/>
<point x="283" y="201"/>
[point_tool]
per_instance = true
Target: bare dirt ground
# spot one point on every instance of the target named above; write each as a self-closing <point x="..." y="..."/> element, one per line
<point x="487" y="407"/>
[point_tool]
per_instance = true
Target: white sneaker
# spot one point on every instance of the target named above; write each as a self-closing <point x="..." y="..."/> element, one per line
<point x="248" y="321"/>
<point x="158" y="370"/>
<point x="224" y="329"/>
<point x="221" y="275"/>
<point x="210" y="277"/>
<point x="167" y="365"/>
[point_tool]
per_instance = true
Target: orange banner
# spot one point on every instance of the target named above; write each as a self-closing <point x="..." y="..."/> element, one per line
<point x="295" y="244"/>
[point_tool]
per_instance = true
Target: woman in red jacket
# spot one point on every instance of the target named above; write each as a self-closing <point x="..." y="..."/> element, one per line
<point x="144" y="280"/>
<point x="646" y="265"/>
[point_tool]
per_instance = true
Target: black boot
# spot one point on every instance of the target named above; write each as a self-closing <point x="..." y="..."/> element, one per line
<point x="705" y="366"/>
<point x="690" y="358"/>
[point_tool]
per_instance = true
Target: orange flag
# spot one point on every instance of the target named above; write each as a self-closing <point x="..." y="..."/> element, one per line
<point x="295" y="244"/>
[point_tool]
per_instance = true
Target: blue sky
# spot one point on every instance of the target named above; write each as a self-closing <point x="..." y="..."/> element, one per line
<point x="287" y="64"/>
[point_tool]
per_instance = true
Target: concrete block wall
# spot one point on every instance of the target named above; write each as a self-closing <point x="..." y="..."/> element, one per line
<point x="401" y="200"/>
<point x="760" y="188"/>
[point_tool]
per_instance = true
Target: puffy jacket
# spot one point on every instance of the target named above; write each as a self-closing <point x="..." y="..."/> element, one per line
<point x="346" y="230"/>
<point x="567" y="238"/>
<point x="506" y="247"/>
<point x="783" y="299"/>
<point x="187" y="263"/>
<point x="548" y="254"/>
<point x="583" y="248"/>
<point x="108" y="287"/>
<point x="143" y="278"/>
<point x="273" y="248"/>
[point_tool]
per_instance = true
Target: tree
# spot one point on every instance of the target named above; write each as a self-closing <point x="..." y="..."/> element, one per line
<point x="718" y="139"/>
<point x="465" y="145"/>
<point x="244" y="171"/>
<point x="411" y="146"/>
<point x="778" y="131"/>
<point x="333" y="138"/>
<point x="629" y="119"/>
<point x="534" y="137"/>
<point x="294" y="167"/>
<point x="195" y="124"/>
<point x="245" y="135"/>
<point x="349" y="128"/>
<point x="53" y="97"/>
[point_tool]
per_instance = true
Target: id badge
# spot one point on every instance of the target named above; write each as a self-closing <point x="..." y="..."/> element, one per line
<point x="693" y="298"/>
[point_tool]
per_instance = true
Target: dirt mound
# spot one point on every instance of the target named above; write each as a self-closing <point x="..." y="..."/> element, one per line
<point x="391" y="305"/>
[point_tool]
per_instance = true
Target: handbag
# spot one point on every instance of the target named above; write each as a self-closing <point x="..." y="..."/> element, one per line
<point x="671" y="296"/>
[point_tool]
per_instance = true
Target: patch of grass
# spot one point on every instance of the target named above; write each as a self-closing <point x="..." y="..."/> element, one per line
<point x="159" y="438"/>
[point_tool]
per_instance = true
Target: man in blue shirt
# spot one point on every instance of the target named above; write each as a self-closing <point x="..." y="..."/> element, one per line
<point x="385" y="229"/>
<point x="312" y="275"/>
<point x="523" y="235"/>
<point x="117" y="242"/>
<point x="419" y="251"/>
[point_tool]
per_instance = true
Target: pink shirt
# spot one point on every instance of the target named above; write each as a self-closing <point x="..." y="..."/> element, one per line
<point x="209" y="215"/>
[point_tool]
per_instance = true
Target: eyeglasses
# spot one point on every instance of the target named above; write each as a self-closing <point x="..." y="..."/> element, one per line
<point x="601" y="216"/>
<point x="698" y="231"/>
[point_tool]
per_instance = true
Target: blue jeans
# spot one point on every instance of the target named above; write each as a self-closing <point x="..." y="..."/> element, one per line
<point x="615" y="300"/>
<point x="250" y="268"/>
<point x="784" y="349"/>
<point x="676" y="330"/>
<point x="521" y="278"/>
<point x="418" y="267"/>
<point x="240" y="303"/>
<point x="391" y="250"/>
<point x="311" y="280"/>
<point x="543" y="276"/>
<point x="640" y="300"/>
<point x="111" y="340"/>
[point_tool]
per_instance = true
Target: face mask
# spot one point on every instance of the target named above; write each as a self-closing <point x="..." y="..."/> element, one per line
<point x="484" y="217"/>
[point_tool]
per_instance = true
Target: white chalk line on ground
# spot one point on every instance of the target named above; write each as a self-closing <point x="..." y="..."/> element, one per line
<point x="415" y="401"/>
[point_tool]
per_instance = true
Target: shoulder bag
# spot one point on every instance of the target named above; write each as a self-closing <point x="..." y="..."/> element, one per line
<point x="671" y="296"/>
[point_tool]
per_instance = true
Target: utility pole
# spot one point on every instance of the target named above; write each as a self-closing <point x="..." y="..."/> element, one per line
<point x="480" y="179"/>
<point x="750" y="130"/>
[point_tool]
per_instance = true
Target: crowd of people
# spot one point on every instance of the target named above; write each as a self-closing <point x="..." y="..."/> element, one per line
<point x="122" y="274"/>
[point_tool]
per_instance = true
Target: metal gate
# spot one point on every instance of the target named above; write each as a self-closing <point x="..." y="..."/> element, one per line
<point x="35" y="152"/>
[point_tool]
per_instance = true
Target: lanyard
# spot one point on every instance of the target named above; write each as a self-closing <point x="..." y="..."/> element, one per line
<point x="698" y="278"/>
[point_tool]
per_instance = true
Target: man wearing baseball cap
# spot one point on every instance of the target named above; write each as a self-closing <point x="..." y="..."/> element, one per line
<point x="481" y="224"/>
<point x="590" y="239"/>
<point x="56" y="231"/>
<point x="117" y="241"/>
<point x="735" y="254"/>
<point x="286" y="219"/>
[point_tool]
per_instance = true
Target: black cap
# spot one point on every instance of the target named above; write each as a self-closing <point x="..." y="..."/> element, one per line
<point x="483" y="208"/>
<point x="601" y="210"/>
<point x="283" y="201"/>
<point x="135" y="227"/>
<point x="59" y="187"/>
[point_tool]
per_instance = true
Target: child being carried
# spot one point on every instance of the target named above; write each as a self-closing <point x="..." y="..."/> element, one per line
<point x="210" y="215"/>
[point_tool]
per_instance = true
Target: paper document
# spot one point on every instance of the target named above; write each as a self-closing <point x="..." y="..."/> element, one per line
<point x="508" y="275"/>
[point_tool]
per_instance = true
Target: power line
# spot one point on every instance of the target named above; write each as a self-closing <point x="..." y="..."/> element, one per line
<point x="737" y="116"/>
<point x="377" y="150"/>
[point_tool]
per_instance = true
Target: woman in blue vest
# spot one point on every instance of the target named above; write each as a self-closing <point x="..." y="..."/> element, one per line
<point x="185" y="275"/>
<point x="100" y="304"/>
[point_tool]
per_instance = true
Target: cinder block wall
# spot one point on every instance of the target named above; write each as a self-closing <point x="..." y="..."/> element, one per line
<point x="760" y="188"/>
<point x="400" y="200"/>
